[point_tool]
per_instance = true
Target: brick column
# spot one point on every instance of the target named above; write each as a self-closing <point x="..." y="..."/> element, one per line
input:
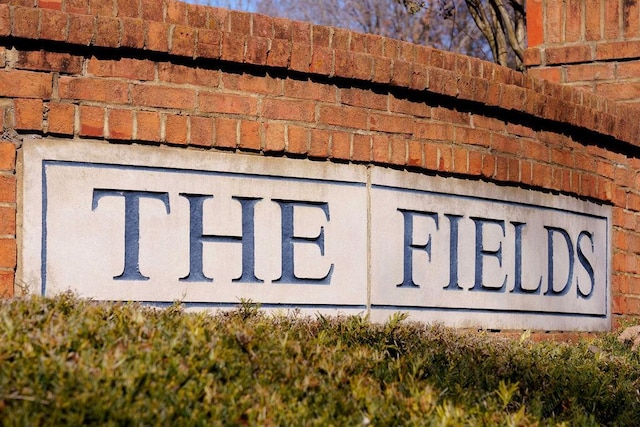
<point x="589" y="44"/>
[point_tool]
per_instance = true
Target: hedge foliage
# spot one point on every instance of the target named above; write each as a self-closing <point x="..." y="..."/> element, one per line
<point x="67" y="361"/>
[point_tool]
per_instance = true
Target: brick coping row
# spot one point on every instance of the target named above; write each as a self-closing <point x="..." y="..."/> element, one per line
<point x="206" y="33"/>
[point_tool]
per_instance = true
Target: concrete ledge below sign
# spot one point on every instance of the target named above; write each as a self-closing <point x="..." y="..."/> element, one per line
<point x="125" y="222"/>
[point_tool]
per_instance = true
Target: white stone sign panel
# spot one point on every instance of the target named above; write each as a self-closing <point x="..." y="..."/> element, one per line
<point x="468" y="253"/>
<point x="160" y="225"/>
<point x="153" y="224"/>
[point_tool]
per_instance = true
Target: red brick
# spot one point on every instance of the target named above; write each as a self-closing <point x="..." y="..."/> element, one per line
<point x="157" y="36"/>
<point x="553" y="25"/>
<point x="605" y="189"/>
<point x="282" y="28"/>
<point x="350" y="117"/>
<point x="475" y="162"/>
<point x="147" y="126"/>
<point x="50" y="4"/>
<point x="42" y="60"/>
<point x="398" y="151"/>
<point x="274" y="137"/>
<point x="5" y="20"/>
<point x="209" y="44"/>
<point x="93" y="89"/>
<point x="590" y="72"/>
<point x="215" y="102"/>
<point x="176" y="129"/>
<point x="128" y="9"/>
<point x="363" y="66"/>
<point x="630" y="19"/>
<point x="364" y="98"/>
<point x="573" y="20"/>
<point x="375" y="44"/>
<point x="252" y="84"/>
<point x="81" y="29"/>
<point x="28" y="114"/>
<point x="472" y="136"/>
<point x="25" y="22"/>
<point x="617" y="50"/>
<point x="361" y="148"/>
<point x="280" y="53"/>
<point x="460" y="160"/>
<point x="7" y="157"/>
<point x="520" y="130"/>
<point x="132" y="33"/>
<point x="91" y="121"/>
<point x="160" y="96"/>
<point x="250" y="138"/>
<point x="239" y="22"/>
<point x="184" y="74"/>
<point x="412" y="107"/>
<point x="322" y="62"/>
<point x="256" y="52"/>
<point x="226" y="133"/>
<point x="298" y="140"/>
<point x="201" y="131"/>
<point x="8" y="253"/>
<point x="300" y="57"/>
<point x="562" y="157"/>
<point x="532" y="57"/>
<point x="307" y="89"/>
<point x="25" y="84"/>
<point x="319" y="143"/>
<point x="506" y="144"/>
<point x="107" y="32"/>
<point x="489" y="123"/>
<point x="301" y="32"/>
<point x="611" y="20"/>
<point x="402" y="73"/>
<point x="286" y="109"/>
<point x="568" y="54"/>
<point x="382" y="71"/>
<point x="128" y="68"/>
<point x="218" y="19"/>
<point x="434" y="131"/>
<point x="7" y="221"/>
<point x="197" y="15"/>
<point x="176" y="13"/>
<point x="53" y="25"/>
<point x="444" y="157"/>
<point x="622" y="90"/>
<point x="451" y="116"/>
<point x="233" y="47"/>
<point x="60" y="118"/>
<point x="120" y="124"/>
<point x="391" y="123"/>
<point x="502" y="168"/>
<point x="381" y="148"/>
<point x="7" y="189"/>
<point x="593" y="27"/>
<point x="629" y="69"/>
<point x="183" y="41"/>
<point x="340" y="146"/>
<point x="101" y="7"/>
<point x="414" y="153"/>
<point x="77" y="6"/>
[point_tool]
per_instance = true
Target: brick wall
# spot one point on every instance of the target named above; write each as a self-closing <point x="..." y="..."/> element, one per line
<point x="168" y="73"/>
<point x="589" y="44"/>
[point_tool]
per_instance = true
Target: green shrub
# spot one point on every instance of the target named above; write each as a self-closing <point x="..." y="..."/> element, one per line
<point x="67" y="361"/>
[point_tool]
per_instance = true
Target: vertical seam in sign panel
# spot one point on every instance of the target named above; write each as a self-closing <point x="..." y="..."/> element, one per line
<point x="369" y="240"/>
<point x="43" y="241"/>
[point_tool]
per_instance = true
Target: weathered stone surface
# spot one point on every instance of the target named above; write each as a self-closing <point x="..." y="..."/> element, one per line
<point x="209" y="229"/>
